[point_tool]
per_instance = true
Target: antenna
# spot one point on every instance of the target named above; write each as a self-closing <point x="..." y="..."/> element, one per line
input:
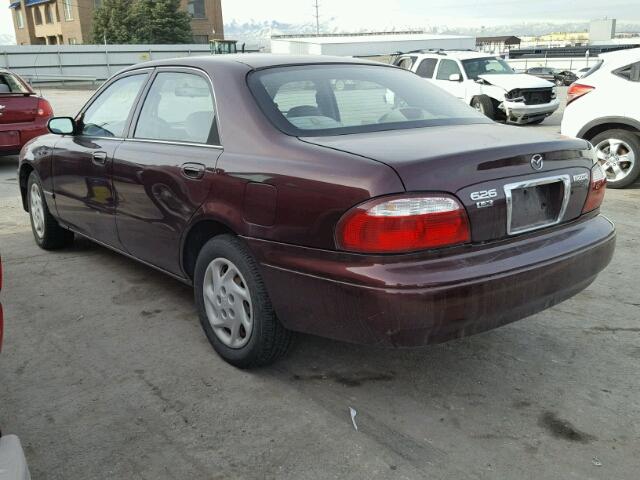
<point x="316" y="5"/>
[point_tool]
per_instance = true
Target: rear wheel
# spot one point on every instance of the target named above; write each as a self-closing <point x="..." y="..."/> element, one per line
<point x="619" y="154"/>
<point x="48" y="234"/>
<point x="484" y="105"/>
<point x="234" y="307"/>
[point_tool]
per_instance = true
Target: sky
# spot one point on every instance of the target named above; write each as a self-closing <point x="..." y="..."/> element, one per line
<point x="365" y="14"/>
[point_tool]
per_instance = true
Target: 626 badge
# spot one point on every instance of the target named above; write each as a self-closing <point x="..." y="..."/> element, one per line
<point x="483" y="198"/>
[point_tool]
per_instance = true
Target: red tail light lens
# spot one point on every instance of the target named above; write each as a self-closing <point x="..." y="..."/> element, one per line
<point x="403" y="224"/>
<point x="44" y="108"/>
<point x="576" y="91"/>
<point x="597" y="188"/>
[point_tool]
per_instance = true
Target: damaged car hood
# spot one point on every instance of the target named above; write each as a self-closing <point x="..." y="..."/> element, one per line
<point x="515" y="80"/>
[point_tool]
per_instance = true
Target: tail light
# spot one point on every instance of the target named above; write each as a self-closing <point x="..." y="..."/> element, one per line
<point x="597" y="188"/>
<point x="44" y="108"/>
<point x="403" y="224"/>
<point x="576" y="91"/>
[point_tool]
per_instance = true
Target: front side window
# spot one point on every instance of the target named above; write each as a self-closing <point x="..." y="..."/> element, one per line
<point x="19" y="18"/>
<point x="196" y="8"/>
<point x="315" y="100"/>
<point x="179" y="107"/>
<point x="107" y="115"/>
<point x="448" y="68"/>
<point x="486" y="66"/>
<point x="427" y="67"/>
<point x="68" y="12"/>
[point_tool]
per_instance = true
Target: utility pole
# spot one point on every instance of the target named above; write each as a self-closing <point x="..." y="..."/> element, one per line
<point x="317" y="7"/>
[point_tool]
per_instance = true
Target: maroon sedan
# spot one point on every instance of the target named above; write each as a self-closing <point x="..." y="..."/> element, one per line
<point x="385" y="213"/>
<point x="23" y="114"/>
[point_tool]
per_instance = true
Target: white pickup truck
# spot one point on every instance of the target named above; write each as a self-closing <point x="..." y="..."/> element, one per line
<point x="487" y="83"/>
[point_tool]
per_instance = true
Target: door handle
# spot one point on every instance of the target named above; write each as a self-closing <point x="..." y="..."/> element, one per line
<point x="99" y="158"/>
<point x="193" y="170"/>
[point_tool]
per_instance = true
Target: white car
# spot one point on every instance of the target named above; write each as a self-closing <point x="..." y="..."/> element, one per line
<point x="487" y="83"/>
<point x="604" y="108"/>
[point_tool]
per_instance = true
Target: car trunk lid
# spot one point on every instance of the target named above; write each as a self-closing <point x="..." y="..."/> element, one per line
<point x="18" y="108"/>
<point x="490" y="168"/>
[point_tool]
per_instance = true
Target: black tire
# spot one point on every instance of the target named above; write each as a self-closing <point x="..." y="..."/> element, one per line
<point x="633" y="140"/>
<point x="52" y="235"/>
<point x="268" y="339"/>
<point x="484" y="105"/>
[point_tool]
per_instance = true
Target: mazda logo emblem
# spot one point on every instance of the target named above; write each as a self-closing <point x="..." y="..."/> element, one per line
<point x="537" y="162"/>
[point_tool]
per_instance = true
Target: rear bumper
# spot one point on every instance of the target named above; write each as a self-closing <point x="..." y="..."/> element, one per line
<point x="522" y="113"/>
<point x="417" y="299"/>
<point x="17" y="134"/>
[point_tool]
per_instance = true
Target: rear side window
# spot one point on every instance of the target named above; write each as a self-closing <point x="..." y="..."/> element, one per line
<point x="11" y="84"/>
<point x="107" y="116"/>
<point x="447" y="68"/>
<point x="630" y="72"/>
<point x="327" y="99"/>
<point x="179" y="107"/>
<point x="427" y="67"/>
<point x="406" y="62"/>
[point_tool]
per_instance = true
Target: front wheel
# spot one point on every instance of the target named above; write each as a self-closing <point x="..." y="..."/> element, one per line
<point x="484" y="105"/>
<point x="47" y="233"/>
<point x="618" y="152"/>
<point x="234" y="307"/>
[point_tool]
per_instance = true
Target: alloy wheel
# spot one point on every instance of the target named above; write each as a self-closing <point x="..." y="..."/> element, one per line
<point x="616" y="157"/>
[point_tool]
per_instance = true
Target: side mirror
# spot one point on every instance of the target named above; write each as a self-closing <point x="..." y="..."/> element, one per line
<point x="455" y="77"/>
<point x="62" y="125"/>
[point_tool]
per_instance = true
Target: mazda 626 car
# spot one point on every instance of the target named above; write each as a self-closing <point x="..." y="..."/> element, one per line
<point x="384" y="213"/>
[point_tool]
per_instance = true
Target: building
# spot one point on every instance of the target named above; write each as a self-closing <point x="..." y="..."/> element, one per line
<point x="602" y="31"/>
<point x="368" y="44"/>
<point x="55" y="22"/>
<point x="497" y="45"/>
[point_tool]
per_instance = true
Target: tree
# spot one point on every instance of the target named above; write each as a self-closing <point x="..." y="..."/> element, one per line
<point x="141" y="21"/>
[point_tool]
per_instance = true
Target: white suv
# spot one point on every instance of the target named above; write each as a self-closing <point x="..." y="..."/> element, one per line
<point x="604" y="108"/>
<point x="487" y="83"/>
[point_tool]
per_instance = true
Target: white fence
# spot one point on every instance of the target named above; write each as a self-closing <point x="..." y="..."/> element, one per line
<point x="572" y="63"/>
<point x="76" y="62"/>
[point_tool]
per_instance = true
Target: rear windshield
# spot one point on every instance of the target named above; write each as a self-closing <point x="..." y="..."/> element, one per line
<point x="318" y="100"/>
<point x="11" y="84"/>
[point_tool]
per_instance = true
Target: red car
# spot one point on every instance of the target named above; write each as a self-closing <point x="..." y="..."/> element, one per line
<point x="23" y="114"/>
<point x="385" y="213"/>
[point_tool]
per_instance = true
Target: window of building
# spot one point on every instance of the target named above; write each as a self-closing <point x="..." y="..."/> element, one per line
<point x="19" y="18"/>
<point x="196" y="8"/>
<point x="427" y="67"/>
<point x="107" y="115"/>
<point x="201" y="39"/>
<point x="179" y="107"/>
<point x="448" y="68"/>
<point x="73" y="41"/>
<point x="68" y="12"/>
<point x="37" y="16"/>
<point x="48" y="15"/>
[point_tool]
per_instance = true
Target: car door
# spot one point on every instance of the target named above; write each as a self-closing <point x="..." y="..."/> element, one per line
<point x="446" y="68"/>
<point x="628" y="88"/>
<point x="162" y="172"/>
<point x="426" y="68"/>
<point x="82" y="162"/>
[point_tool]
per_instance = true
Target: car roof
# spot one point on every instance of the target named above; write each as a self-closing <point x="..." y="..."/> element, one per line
<point x="621" y="57"/>
<point x="255" y="60"/>
<point x="454" y="54"/>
